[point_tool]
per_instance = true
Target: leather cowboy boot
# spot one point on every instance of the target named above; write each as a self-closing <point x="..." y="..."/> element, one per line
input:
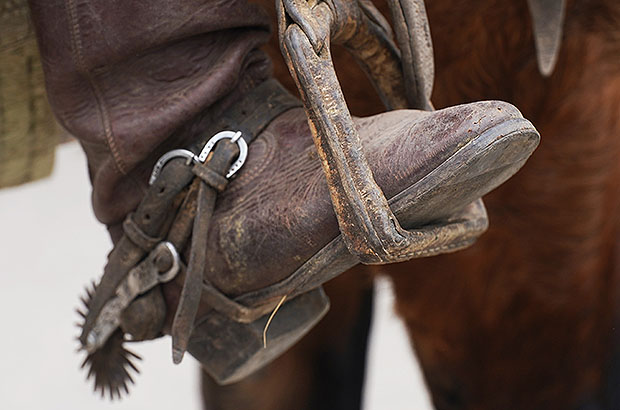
<point x="135" y="82"/>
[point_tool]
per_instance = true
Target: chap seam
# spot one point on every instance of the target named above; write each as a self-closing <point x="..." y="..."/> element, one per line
<point x="78" y="58"/>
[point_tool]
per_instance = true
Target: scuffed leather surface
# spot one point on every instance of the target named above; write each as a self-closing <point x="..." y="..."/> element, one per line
<point x="133" y="79"/>
<point x="279" y="205"/>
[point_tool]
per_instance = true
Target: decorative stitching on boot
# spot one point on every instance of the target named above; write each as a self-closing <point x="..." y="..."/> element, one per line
<point x="76" y="44"/>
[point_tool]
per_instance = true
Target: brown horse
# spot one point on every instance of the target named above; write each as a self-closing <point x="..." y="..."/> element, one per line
<point x="531" y="310"/>
<point x="526" y="318"/>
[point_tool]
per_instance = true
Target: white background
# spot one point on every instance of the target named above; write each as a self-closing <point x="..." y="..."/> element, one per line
<point x="51" y="246"/>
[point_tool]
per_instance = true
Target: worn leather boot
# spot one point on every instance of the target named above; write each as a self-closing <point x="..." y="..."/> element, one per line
<point x="133" y="81"/>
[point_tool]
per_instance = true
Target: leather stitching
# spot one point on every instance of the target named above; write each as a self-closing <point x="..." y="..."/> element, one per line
<point x="78" y="58"/>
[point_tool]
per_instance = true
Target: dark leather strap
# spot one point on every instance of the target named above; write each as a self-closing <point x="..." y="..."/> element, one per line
<point x="210" y="177"/>
<point x="223" y="156"/>
<point x="254" y="112"/>
<point x="138" y="236"/>
<point x="249" y="115"/>
<point x="149" y="217"/>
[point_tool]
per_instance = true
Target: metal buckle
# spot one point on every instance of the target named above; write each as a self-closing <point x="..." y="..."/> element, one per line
<point x="175" y="153"/>
<point x="234" y="137"/>
<point x="208" y="147"/>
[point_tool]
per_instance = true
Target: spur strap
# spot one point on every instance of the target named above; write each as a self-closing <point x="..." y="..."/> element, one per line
<point x="264" y="104"/>
<point x="212" y="177"/>
<point x="209" y="172"/>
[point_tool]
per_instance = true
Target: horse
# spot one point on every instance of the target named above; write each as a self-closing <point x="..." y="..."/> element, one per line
<point x="528" y="317"/>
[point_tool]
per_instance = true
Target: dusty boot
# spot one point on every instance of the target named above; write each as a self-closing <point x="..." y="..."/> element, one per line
<point x="135" y="82"/>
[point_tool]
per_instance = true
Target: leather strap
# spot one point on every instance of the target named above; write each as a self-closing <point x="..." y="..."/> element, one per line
<point x="149" y="217"/>
<point x="138" y="236"/>
<point x="210" y="177"/>
<point x="250" y="115"/>
<point x="218" y="164"/>
<point x="254" y="112"/>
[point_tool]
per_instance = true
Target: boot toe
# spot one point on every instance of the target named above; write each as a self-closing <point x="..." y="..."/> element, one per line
<point x="447" y="158"/>
<point x="277" y="213"/>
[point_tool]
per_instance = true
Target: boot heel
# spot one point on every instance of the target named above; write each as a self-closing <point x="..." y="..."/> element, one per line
<point x="229" y="350"/>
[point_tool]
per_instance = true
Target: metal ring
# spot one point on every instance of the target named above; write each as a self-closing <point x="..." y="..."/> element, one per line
<point x="234" y="137"/>
<point x="175" y="153"/>
<point x="174" y="269"/>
